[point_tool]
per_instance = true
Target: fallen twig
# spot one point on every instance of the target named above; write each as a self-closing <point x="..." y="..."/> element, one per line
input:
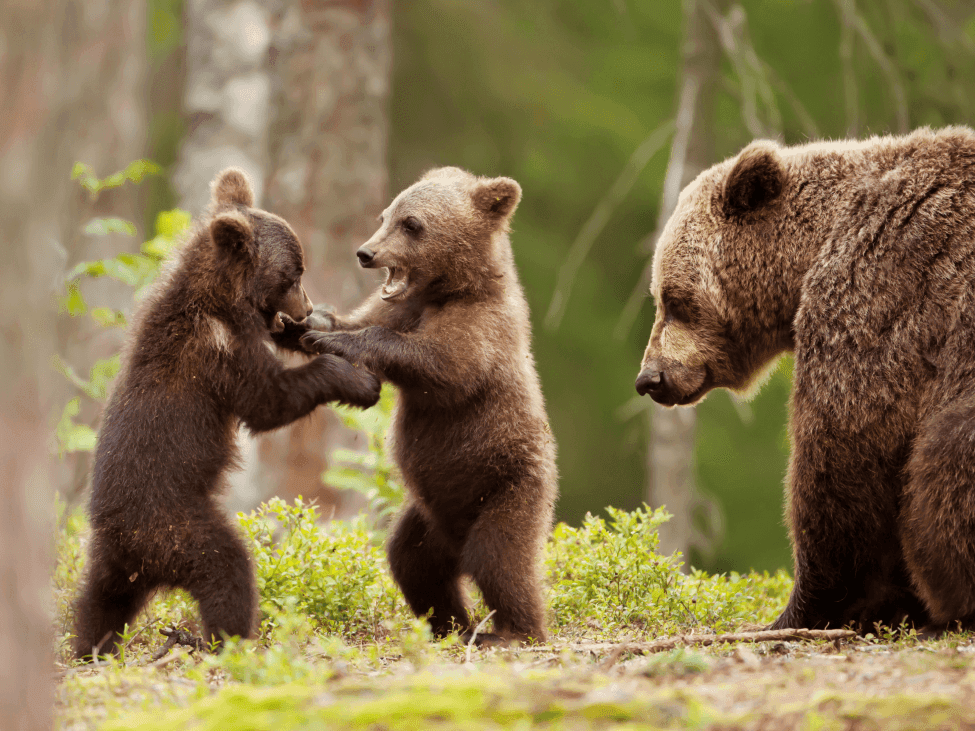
<point x="669" y="643"/>
<point x="478" y="628"/>
<point x="177" y="637"/>
<point x="165" y="660"/>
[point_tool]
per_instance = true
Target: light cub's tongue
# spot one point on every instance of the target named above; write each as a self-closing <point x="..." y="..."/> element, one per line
<point x="395" y="284"/>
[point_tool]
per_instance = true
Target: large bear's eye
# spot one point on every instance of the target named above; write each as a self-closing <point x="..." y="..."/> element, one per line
<point x="412" y="226"/>
<point x="677" y="309"/>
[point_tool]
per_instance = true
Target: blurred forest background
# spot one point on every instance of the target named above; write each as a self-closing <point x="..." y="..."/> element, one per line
<point x="602" y="110"/>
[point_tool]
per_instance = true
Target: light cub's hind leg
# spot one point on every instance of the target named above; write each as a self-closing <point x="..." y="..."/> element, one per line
<point x="502" y="553"/>
<point x="427" y="570"/>
<point x="938" y="516"/>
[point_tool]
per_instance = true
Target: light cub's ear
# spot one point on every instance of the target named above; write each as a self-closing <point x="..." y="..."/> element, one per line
<point x="497" y="198"/>
<point x="232" y="234"/>
<point x="231" y="188"/>
<point x="756" y="179"/>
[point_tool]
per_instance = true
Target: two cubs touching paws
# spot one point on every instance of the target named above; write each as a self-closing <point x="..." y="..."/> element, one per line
<point x="449" y="328"/>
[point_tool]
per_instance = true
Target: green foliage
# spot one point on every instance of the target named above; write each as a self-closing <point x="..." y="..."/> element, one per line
<point x="372" y="473"/>
<point x="333" y="573"/>
<point x="134" y="172"/>
<point x="134" y="270"/>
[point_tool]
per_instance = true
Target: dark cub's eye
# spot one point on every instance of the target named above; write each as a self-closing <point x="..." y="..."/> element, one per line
<point x="412" y="226"/>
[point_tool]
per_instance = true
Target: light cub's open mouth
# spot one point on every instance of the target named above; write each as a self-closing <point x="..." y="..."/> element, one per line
<point x="396" y="283"/>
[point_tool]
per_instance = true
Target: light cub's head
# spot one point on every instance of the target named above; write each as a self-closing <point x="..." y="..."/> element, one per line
<point x="260" y="251"/>
<point x="439" y="234"/>
<point x="707" y="273"/>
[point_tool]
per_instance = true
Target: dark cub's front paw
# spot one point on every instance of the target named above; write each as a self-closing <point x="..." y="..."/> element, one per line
<point x="286" y="332"/>
<point x="348" y="384"/>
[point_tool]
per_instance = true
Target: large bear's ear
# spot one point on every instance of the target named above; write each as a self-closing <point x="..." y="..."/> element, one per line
<point x="231" y="188"/>
<point x="232" y="234"/>
<point x="756" y="179"/>
<point x="497" y="197"/>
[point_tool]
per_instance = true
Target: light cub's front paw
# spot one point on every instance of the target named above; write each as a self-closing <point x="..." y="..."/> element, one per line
<point x="286" y="332"/>
<point x="315" y="341"/>
<point x="321" y="318"/>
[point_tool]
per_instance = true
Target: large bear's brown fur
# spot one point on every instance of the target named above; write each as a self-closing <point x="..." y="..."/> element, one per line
<point x="197" y="366"/>
<point x="450" y="329"/>
<point x="859" y="257"/>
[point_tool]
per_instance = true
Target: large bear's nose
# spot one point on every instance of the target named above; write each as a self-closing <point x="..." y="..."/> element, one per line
<point x="650" y="382"/>
<point x="365" y="256"/>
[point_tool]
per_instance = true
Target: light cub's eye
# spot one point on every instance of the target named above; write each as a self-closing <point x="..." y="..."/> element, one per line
<point x="675" y="309"/>
<point x="411" y="225"/>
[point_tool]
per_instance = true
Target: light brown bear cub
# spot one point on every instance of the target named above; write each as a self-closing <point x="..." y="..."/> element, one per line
<point x="450" y="329"/>
<point x="860" y="258"/>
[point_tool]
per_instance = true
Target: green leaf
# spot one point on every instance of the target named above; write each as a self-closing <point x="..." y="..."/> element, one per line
<point x="73" y="437"/>
<point x="73" y="302"/>
<point x="172" y="223"/>
<point x="110" y="225"/>
<point x="90" y="268"/>
<point x="107" y="317"/>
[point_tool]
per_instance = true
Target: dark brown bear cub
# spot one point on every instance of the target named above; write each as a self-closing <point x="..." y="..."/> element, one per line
<point x="197" y="365"/>
<point x="450" y="329"/>
<point x="858" y="256"/>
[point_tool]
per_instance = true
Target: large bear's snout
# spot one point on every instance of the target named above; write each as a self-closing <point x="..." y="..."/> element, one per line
<point x="649" y="382"/>
<point x="670" y="382"/>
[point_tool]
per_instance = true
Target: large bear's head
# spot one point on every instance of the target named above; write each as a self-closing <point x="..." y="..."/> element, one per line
<point x="257" y="250"/>
<point x="721" y="281"/>
<point x="438" y="235"/>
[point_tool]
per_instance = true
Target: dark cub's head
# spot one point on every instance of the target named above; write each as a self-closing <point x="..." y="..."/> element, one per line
<point x="259" y="250"/>
<point x="442" y="235"/>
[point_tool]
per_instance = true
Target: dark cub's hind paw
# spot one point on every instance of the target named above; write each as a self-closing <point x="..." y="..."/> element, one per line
<point x="178" y="637"/>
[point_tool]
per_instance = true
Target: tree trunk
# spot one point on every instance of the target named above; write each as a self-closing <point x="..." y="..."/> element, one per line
<point x="671" y="452"/>
<point x="34" y="91"/>
<point x="293" y="92"/>
<point x="327" y="177"/>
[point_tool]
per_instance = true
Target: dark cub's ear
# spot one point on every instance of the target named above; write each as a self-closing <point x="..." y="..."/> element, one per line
<point x="231" y="188"/>
<point x="497" y="197"/>
<point x="232" y="234"/>
<point x="756" y="179"/>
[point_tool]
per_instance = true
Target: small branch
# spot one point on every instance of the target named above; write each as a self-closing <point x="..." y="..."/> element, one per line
<point x="177" y="637"/>
<point x="600" y="217"/>
<point x="480" y="625"/>
<point x="167" y="659"/>
<point x="670" y="643"/>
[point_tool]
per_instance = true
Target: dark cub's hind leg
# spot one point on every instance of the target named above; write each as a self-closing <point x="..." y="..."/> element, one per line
<point x="215" y="568"/>
<point x="427" y="570"/>
<point x="111" y="597"/>
<point x="938" y="519"/>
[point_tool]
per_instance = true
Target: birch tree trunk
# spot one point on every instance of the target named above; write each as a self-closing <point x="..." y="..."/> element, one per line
<point x="293" y="92"/>
<point x="33" y="183"/>
<point x="327" y="177"/>
<point x="671" y="451"/>
<point x="227" y="105"/>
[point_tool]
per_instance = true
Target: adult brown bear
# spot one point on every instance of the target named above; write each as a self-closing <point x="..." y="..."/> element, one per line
<point x="860" y="258"/>
<point x="450" y="329"/>
<point x="198" y="365"/>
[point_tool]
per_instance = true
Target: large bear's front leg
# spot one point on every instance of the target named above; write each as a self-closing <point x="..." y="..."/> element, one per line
<point x="843" y="497"/>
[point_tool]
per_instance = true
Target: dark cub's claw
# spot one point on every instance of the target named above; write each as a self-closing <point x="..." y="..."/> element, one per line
<point x="350" y="385"/>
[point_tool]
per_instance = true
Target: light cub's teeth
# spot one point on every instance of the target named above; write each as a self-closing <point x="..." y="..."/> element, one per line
<point x="394" y="284"/>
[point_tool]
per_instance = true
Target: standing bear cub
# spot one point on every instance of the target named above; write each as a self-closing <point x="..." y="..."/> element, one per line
<point x="450" y="329"/>
<point x="197" y="365"/>
<point x="860" y="258"/>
